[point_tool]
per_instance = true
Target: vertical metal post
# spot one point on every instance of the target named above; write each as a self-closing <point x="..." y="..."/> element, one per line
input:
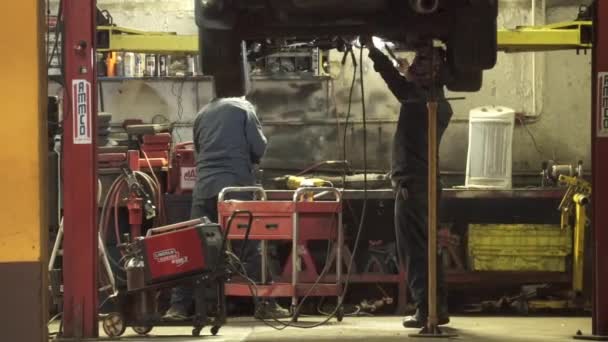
<point x="264" y="257"/>
<point x="295" y="256"/>
<point x="339" y="250"/>
<point x="432" y="219"/>
<point x="80" y="170"/>
<point x="599" y="165"/>
<point x="600" y="168"/>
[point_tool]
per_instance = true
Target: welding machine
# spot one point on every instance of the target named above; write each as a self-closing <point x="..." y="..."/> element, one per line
<point x="190" y="254"/>
<point x="173" y="253"/>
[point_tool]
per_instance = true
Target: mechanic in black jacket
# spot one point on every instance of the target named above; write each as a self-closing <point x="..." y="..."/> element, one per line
<point x="410" y="169"/>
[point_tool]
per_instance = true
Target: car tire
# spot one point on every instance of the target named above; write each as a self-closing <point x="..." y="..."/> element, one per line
<point x="473" y="44"/>
<point x="221" y="58"/>
<point x="465" y="81"/>
<point x="487" y="6"/>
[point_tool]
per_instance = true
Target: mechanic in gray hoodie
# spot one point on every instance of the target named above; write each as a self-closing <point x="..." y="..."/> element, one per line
<point x="228" y="141"/>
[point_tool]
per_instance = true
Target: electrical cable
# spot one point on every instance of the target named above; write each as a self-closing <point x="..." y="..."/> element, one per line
<point x="112" y="203"/>
<point x="48" y="27"/>
<point x="253" y="287"/>
<point x="179" y="100"/>
<point x="56" y="42"/>
<point x="102" y="102"/>
<point x="159" y="200"/>
<point x="348" y="112"/>
<point x="525" y="126"/>
<point x="54" y="318"/>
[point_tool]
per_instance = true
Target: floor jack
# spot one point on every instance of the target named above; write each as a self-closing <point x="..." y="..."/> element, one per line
<point x="191" y="253"/>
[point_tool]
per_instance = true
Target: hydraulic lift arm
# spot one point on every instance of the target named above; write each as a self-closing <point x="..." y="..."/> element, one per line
<point x="570" y="35"/>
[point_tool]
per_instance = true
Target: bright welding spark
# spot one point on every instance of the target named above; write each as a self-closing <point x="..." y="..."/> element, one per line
<point x="378" y="42"/>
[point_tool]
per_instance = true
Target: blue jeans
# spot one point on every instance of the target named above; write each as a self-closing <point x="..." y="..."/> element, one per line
<point x="182" y="296"/>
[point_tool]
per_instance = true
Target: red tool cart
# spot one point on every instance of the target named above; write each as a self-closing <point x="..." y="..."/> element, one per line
<point x="299" y="221"/>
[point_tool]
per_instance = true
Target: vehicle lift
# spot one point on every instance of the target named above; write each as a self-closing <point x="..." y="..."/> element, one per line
<point x="80" y="317"/>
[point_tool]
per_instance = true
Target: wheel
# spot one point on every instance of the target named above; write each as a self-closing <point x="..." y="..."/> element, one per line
<point x="487" y="6"/>
<point x="143" y="330"/>
<point x="223" y="57"/>
<point x="340" y="313"/>
<point x="114" y="325"/>
<point x="465" y="81"/>
<point x="215" y="330"/>
<point x="473" y="44"/>
<point x="196" y="332"/>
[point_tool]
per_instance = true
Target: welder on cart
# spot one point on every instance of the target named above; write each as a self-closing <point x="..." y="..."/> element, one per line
<point x="412" y="86"/>
<point x="228" y="142"/>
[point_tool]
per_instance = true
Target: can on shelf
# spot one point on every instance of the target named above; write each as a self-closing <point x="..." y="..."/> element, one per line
<point x="150" y="65"/>
<point x="191" y="71"/>
<point x="128" y="63"/>
<point x="140" y="64"/>
<point x="119" y="65"/>
<point x="162" y="65"/>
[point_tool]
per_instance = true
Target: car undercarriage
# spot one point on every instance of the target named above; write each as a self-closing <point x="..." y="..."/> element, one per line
<point x="467" y="29"/>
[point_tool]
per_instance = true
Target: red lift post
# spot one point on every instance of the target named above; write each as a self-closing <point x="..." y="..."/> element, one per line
<point x="599" y="155"/>
<point x="80" y="170"/>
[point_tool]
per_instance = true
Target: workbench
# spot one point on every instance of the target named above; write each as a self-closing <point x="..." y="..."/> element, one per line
<point x="459" y="206"/>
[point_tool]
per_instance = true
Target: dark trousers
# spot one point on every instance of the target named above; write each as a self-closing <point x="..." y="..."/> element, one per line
<point x="182" y="296"/>
<point x="410" y="173"/>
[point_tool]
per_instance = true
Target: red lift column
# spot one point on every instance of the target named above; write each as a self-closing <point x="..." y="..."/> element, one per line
<point x="80" y="171"/>
<point x="600" y="170"/>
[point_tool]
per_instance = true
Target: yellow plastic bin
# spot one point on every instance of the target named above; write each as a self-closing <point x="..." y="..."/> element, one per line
<point x="521" y="247"/>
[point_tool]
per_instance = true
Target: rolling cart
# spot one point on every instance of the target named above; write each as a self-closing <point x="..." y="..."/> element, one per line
<point x="305" y="218"/>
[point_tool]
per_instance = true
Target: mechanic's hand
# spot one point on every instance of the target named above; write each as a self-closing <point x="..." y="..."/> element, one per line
<point x="367" y="42"/>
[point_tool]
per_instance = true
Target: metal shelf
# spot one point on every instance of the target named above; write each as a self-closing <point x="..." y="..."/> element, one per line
<point x="259" y="78"/>
<point x="154" y="79"/>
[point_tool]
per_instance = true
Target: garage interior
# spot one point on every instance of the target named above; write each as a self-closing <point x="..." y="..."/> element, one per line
<point x="101" y="159"/>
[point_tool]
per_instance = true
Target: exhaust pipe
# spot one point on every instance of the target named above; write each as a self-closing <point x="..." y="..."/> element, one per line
<point x="424" y="6"/>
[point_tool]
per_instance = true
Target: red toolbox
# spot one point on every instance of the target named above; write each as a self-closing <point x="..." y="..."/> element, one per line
<point x="295" y="221"/>
<point x="181" y="249"/>
<point x="157" y="139"/>
<point x="182" y="175"/>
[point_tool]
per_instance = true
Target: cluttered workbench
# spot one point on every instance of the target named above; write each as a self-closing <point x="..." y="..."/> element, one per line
<point x="460" y="208"/>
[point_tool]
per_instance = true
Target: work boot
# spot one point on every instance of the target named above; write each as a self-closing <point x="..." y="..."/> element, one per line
<point x="418" y="320"/>
<point x="271" y="309"/>
<point x="176" y="313"/>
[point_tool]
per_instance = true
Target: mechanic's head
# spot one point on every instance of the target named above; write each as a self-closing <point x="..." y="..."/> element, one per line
<point x="403" y="65"/>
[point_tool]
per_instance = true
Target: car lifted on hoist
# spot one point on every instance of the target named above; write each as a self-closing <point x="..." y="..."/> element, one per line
<point x="466" y="27"/>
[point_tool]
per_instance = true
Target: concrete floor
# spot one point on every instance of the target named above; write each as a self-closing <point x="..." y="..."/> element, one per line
<point x="487" y="329"/>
